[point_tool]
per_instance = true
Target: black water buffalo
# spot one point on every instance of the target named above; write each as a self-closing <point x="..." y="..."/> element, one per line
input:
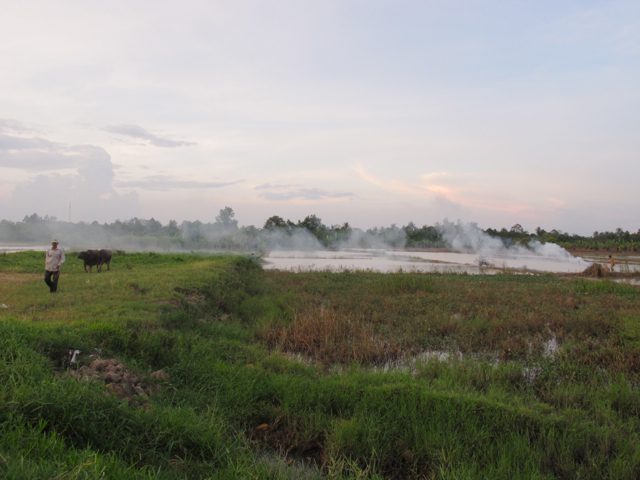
<point x="105" y="258"/>
<point x="90" y="258"/>
<point x="97" y="258"/>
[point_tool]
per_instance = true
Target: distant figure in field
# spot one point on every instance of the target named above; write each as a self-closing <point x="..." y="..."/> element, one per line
<point x="612" y="263"/>
<point x="54" y="258"/>
<point x="97" y="258"/>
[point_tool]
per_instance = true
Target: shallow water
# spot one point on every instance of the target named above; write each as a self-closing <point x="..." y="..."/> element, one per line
<point x="22" y="248"/>
<point x="629" y="281"/>
<point x="419" y="261"/>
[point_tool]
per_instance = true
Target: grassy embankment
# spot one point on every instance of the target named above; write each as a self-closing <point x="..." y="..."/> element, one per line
<point x="394" y="376"/>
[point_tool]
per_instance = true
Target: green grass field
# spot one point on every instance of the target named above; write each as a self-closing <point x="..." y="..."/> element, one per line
<point x="314" y="375"/>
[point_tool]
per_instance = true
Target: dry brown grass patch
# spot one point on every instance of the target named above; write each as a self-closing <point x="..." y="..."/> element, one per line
<point x="331" y="337"/>
<point x="10" y="278"/>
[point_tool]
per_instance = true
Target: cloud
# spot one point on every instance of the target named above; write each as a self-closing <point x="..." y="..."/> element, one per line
<point x="449" y="190"/>
<point x="446" y="189"/>
<point x="63" y="179"/>
<point x="296" y="192"/>
<point x="165" y="182"/>
<point x="440" y="185"/>
<point x="13" y="126"/>
<point x="31" y="153"/>
<point x="25" y="152"/>
<point x="391" y="185"/>
<point x="271" y="186"/>
<point x="135" y="131"/>
<point x="13" y="143"/>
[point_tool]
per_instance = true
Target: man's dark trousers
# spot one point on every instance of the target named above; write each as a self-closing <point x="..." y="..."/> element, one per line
<point x="51" y="279"/>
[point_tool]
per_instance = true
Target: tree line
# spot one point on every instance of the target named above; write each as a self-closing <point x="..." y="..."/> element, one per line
<point x="309" y="232"/>
<point x="619" y="240"/>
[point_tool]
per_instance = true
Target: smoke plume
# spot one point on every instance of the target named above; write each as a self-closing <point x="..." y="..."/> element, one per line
<point x="468" y="237"/>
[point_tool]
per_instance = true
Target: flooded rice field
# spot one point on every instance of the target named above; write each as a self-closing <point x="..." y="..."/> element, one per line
<point x="387" y="261"/>
<point x="425" y="261"/>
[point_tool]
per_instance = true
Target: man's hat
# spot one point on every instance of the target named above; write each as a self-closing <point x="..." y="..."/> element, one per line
<point x="54" y="241"/>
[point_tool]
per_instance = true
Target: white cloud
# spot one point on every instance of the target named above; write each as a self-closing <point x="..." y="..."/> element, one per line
<point x="62" y="179"/>
<point x="167" y="183"/>
<point x="295" y="192"/>
<point x="135" y="131"/>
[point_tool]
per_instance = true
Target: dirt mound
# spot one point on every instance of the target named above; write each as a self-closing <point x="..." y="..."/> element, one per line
<point x="120" y="381"/>
<point x="594" y="270"/>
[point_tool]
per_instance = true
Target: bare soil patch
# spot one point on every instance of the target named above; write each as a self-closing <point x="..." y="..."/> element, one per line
<point x="120" y="381"/>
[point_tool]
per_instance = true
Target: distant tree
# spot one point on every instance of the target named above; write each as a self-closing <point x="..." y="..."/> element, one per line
<point x="152" y="226"/>
<point x="430" y="235"/>
<point x="192" y="232"/>
<point x="315" y="226"/>
<point x="312" y="223"/>
<point x="134" y="226"/>
<point x="33" y="218"/>
<point x="339" y="233"/>
<point x="226" y="218"/>
<point x="345" y="227"/>
<point x="410" y="228"/>
<point x="274" y="222"/>
<point x="412" y="232"/>
<point x="517" y="228"/>
<point x="172" y="228"/>
<point x="250" y="231"/>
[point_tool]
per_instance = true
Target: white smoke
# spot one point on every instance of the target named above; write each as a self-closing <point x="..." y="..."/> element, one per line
<point x="469" y="238"/>
<point x="391" y="238"/>
<point x="293" y="239"/>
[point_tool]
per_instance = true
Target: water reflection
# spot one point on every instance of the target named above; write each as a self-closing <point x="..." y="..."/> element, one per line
<point x="419" y="261"/>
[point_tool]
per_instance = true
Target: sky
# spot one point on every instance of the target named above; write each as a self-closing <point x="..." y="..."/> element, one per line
<point x="372" y="112"/>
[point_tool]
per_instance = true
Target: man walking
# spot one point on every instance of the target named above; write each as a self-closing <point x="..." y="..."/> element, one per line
<point x="53" y="261"/>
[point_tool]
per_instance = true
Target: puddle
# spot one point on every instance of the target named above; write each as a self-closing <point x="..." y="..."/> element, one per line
<point x="410" y="364"/>
<point x="531" y="374"/>
<point x="550" y="347"/>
